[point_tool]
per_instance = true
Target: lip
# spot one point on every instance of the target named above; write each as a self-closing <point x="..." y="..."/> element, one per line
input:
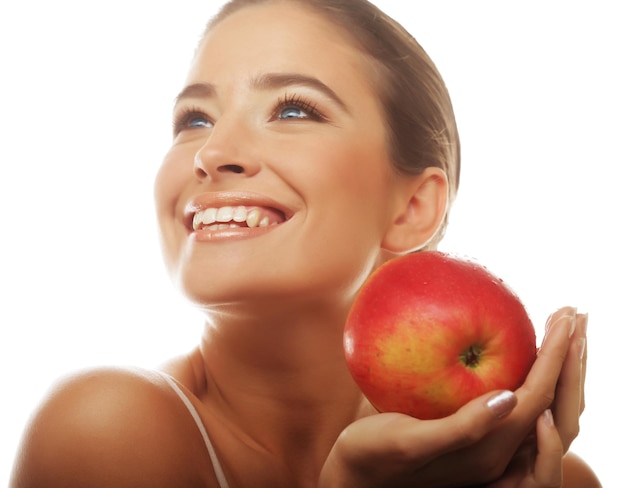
<point x="222" y="199"/>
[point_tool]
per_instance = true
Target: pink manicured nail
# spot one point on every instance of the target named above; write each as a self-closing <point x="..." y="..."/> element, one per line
<point x="584" y="319"/>
<point x="582" y="345"/>
<point x="502" y="403"/>
<point x="548" y="417"/>
<point x="570" y="319"/>
<point x="572" y="327"/>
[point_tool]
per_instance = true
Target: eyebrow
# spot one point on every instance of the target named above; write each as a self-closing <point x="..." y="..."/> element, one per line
<point x="196" y="90"/>
<point x="266" y="81"/>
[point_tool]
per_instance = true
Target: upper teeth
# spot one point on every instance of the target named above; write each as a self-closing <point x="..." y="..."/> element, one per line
<point x="223" y="215"/>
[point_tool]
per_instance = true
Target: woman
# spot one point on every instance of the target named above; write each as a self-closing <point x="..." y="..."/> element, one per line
<point x="313" y="141"/>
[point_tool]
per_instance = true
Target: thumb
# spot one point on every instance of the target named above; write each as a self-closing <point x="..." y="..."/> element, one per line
<point x="468" y="425"/>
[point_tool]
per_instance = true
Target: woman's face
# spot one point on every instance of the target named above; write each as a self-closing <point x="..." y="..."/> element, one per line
<point x="278" y="183"/>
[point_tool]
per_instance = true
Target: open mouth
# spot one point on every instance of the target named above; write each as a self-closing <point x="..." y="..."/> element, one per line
<point x="231" y="217"/>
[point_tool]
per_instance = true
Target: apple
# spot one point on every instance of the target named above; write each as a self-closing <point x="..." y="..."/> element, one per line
<point x="430" y="331"/>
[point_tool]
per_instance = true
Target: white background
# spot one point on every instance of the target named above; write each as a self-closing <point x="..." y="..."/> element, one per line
<point x="86" y="90"/>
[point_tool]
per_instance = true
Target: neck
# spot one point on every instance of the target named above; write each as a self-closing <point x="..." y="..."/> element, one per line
<point x="281" y="377"/>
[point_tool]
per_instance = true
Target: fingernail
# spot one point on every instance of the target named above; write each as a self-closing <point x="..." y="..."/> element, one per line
<point x="584" y="319"/>
<point x="572" y="325"/>
<point x="569" y="317"/>
<point x="582" y="345"/>
<point x="502" y="403"/>
<point x="548" y="417"/>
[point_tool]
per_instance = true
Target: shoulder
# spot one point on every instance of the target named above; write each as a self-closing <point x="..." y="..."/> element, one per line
<point x="577" y="473"/>
<point x="110" y="427"/>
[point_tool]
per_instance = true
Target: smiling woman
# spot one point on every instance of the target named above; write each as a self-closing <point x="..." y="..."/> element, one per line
<point x="314" y="167"/>
<point x="283" y="187"/>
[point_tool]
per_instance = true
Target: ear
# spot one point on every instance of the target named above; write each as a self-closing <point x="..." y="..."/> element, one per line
<point x="420" y="213"/>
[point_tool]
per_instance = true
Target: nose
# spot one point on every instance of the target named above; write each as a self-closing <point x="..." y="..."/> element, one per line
<point x="228" y="151"/>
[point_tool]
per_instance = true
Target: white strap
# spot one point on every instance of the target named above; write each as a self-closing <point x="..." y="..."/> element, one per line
<point x="219" y="473"/>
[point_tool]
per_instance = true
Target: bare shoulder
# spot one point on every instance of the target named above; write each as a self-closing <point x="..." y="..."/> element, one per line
<point x="111" y="427"/>
<point x="578" y="474"/>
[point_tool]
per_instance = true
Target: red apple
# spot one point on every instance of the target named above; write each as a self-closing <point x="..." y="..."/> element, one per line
<point x="430" y="331"/>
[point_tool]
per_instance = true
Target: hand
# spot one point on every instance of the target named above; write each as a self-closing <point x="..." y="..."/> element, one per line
<point x="478" y="443"/>
<point x="569" y="402"/>
<point x="536" y="466"/>
<point x="540" y="464"/>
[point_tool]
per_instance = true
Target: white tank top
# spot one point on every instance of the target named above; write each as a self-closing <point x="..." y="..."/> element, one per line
<point x="217" y="468"/>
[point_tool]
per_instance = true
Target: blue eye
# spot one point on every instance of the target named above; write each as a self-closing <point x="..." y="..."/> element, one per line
<point x="292" y="113"/>
<point x="191" y="119"/>
<point x="198" y="121"/>
<point x="296" y="107"/>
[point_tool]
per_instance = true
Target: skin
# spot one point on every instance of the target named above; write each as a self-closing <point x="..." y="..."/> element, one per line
<point x="269" y="378"/>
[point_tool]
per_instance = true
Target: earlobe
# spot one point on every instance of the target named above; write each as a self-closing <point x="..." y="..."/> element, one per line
<point x="421" y="213"/>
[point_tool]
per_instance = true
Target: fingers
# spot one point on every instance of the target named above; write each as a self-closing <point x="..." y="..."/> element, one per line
<point x="468" y="425"/>
<point x="538" y="465"/>
<point x="538" y="391"/>
<point x="404" y="437"/>
<point x="580" y="348"/>
<point x="569" y="397"/>
<point x="548" y="471"/>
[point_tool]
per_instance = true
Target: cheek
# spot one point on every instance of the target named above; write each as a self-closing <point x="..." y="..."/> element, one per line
<point x="169" y="185"/>
<point x="170" y="181"/>
<point x="348" y="190"/>
<point x="357" y="177"/>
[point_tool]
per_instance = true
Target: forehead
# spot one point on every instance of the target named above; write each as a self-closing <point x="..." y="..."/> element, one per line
<point x="281" y="36"/>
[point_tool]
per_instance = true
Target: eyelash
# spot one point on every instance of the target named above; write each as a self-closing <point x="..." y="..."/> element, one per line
<point x="182" y="119"/>
<point x="300" y="102"/>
